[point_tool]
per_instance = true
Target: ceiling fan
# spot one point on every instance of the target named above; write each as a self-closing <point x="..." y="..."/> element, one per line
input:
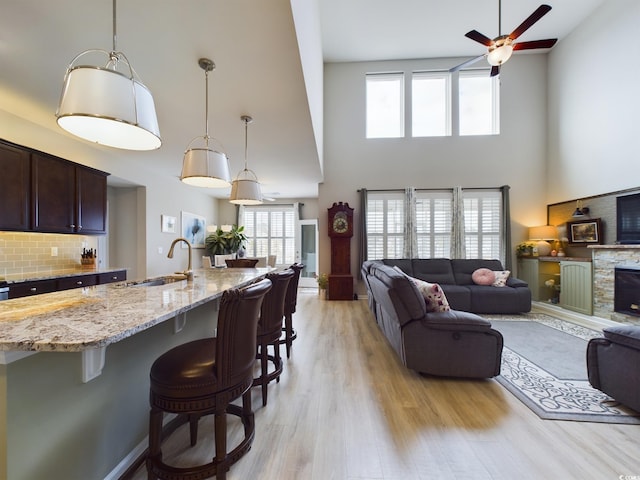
<point x="499" y="49"/>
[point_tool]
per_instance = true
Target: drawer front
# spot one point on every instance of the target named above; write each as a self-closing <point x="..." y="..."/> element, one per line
<point x="110" y="277"/>
<point x="32" y="288"/>
<point x="77" y="282"/>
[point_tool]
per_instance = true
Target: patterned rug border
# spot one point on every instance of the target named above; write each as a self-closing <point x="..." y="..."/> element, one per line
<point x="552" y="398"/>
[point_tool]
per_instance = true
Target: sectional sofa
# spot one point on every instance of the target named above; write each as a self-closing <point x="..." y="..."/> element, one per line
<point x="455" y="278"/>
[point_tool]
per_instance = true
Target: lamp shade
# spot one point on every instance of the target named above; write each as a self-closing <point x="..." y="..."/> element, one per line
<point x="108" y="107"/>
<point x="203" y="167"/>
<point x="543" y="232"/>
<point x="246" y="191"/>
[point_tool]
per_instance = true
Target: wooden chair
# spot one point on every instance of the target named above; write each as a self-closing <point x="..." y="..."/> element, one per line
<point x="203" y="377"/>
<point x="269" y="330"/>
<point x="290" y="307"/>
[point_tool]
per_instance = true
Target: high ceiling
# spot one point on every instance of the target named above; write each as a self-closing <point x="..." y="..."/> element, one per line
<point x="258" y="66"/>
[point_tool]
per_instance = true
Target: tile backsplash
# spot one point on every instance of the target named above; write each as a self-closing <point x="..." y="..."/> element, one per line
<point x="40" y="253"/>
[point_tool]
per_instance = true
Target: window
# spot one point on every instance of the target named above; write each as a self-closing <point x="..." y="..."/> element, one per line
<point x="425" y="228"/>
<point x="482" y="223"/>
<point x="385" y="105"/>
<point x="431" y="104"/>
<point x="270" y="231"/>
<point x="433" y="224"/>
<point x="385" y="225"/>
<point x="479" y="103"/>
<point x="431" y="100"/>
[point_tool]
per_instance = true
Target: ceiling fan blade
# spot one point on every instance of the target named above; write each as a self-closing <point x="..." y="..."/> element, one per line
<point x="479" y="37"/>
<point x="466" y="64"/>
<point x="541" y="11"/>
<point x="535" y="44"/>
<point x="495" y="70"/>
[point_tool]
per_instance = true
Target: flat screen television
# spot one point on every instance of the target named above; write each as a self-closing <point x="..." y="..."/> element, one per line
<point x="628" y="219"/>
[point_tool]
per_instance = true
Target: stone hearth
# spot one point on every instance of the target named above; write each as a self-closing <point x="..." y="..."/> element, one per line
<point x="605" y="259"/>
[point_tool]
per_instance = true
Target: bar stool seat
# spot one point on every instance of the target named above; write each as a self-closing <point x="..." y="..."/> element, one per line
<point x="203" y="377"/>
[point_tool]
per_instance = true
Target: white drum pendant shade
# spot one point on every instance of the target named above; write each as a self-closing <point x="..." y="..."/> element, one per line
<point x="109" y="108"/>
<point x="203" y="167"/>
<point x="245" y="192"/>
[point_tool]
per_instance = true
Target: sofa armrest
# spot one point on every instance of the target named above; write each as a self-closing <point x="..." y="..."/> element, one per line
<point x="455" y="320"/>
<point x="516" y="282"/>
<point x="627" y="335"/>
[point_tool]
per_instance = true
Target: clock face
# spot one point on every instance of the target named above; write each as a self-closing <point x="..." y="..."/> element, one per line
<point x="340" y="223"/>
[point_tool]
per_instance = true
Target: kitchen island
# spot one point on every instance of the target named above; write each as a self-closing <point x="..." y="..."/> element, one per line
<point x="57" y="422"/>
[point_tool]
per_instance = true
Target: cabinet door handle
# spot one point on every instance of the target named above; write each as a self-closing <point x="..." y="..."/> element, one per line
<point x="115" y="277"/>
<point x="79" y="282"/>
<point x="33" y="289"/>
<point x="79" y="227"/>
<point x="72" y="226"/>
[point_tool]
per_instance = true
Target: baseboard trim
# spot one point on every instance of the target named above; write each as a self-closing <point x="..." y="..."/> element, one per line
<point x="588" y="321"/>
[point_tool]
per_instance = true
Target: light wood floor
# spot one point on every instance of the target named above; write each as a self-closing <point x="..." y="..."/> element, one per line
<point x="346" y="409"/>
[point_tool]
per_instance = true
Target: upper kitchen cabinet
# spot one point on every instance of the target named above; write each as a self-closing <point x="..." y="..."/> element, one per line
<point x="57" y="195"/>
<point x="15" y="187"/>
<point x="67" y="198"/>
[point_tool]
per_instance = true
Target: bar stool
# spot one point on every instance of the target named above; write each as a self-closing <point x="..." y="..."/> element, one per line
<point x="203" y="377"/>
<point x="290" y="307"/>
<point x="269" y="328"/>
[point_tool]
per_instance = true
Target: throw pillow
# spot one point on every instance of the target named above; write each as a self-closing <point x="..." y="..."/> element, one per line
<point x="483" y="276"/>
<point x="434" y="297"/>
<point x="501" y="278"/>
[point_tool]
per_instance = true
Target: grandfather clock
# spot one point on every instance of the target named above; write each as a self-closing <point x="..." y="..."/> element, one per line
<point x="340" y="231"/>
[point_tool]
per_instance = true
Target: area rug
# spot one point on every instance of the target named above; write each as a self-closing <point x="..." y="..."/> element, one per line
<point x="544" y="366"/>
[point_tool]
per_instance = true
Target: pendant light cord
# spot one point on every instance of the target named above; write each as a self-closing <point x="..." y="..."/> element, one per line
<point x="499" y="18"/>
<point x="206" y="107"/>
<point x="114" y="26"/>
<point x="246" y="141"/>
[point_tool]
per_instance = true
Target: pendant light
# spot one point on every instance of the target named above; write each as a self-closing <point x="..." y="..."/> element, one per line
<point x="203" y="166"/>
<point x="245" y="189"/>
<point x="101" y="104"/>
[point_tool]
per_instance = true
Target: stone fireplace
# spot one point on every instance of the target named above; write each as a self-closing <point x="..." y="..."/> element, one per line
<point x="606" y="258"/>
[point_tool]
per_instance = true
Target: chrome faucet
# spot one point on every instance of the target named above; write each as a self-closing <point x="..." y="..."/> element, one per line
<point x="188" y="272"/>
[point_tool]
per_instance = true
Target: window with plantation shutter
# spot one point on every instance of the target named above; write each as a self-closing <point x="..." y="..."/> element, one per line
<point x="270" y="230"/>
<point x="426" y="229"/>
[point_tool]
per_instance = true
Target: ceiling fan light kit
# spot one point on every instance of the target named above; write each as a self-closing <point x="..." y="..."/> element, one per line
<point x="500" y="49"/>
<point x="122" y="115"/>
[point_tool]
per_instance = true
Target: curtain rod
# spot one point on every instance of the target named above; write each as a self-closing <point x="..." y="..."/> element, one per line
<point x="443" y="188"/>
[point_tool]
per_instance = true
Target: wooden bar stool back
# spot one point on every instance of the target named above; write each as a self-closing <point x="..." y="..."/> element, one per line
<point x="290" y="302"/>
<point x="201" y="378"/>
<point x="269" y="330"/>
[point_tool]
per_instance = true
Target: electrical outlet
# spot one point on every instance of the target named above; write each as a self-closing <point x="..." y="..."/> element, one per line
<point x="54" y="251"/>
<point x="160" y="250"/>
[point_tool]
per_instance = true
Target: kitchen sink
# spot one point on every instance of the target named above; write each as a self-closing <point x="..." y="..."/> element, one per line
<point x="154" y="282"/>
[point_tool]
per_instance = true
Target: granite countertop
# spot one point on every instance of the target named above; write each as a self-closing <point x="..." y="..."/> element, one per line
<point x="92" y="317"/>
<point x="71" y="272"/>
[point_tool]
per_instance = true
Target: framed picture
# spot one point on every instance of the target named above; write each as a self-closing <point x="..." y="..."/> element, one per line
<point x="168" y="224"/>
<point x="194" y="229"/>
<point x="585" y="232"/>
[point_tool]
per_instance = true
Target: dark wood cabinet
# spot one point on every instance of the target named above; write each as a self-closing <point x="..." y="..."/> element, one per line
<point x="15" y="188"/>
<point x="53" y="194"/>
<point x="36" y="287"/>
<point x="44" y="193"/>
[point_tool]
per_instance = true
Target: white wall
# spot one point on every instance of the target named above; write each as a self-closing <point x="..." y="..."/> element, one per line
<point x="516" y="157"/>
<point x="593" y="105"/>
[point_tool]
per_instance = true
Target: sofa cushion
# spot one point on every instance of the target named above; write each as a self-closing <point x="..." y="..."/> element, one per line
<point x="628" y="335"/>
<point x="433" y="270"/>
<point x="459" y="297"/>
<point x="483" y="276"/>
<point x="454" y="318"/>
<point x="397" y="293"/>
<point x="499" y="300"/>
<point x="403" y="263"/>
<point x="501" y="277"/>
<point x="464" y="268"/>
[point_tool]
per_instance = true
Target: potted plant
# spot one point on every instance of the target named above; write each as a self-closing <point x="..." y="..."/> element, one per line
<point x="225" y="242"/>
<point x="323" y="283"/>
<point x="525" y="249"/>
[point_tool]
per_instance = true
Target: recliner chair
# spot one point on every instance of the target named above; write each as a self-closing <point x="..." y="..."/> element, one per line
<point x="613" y="364"/>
